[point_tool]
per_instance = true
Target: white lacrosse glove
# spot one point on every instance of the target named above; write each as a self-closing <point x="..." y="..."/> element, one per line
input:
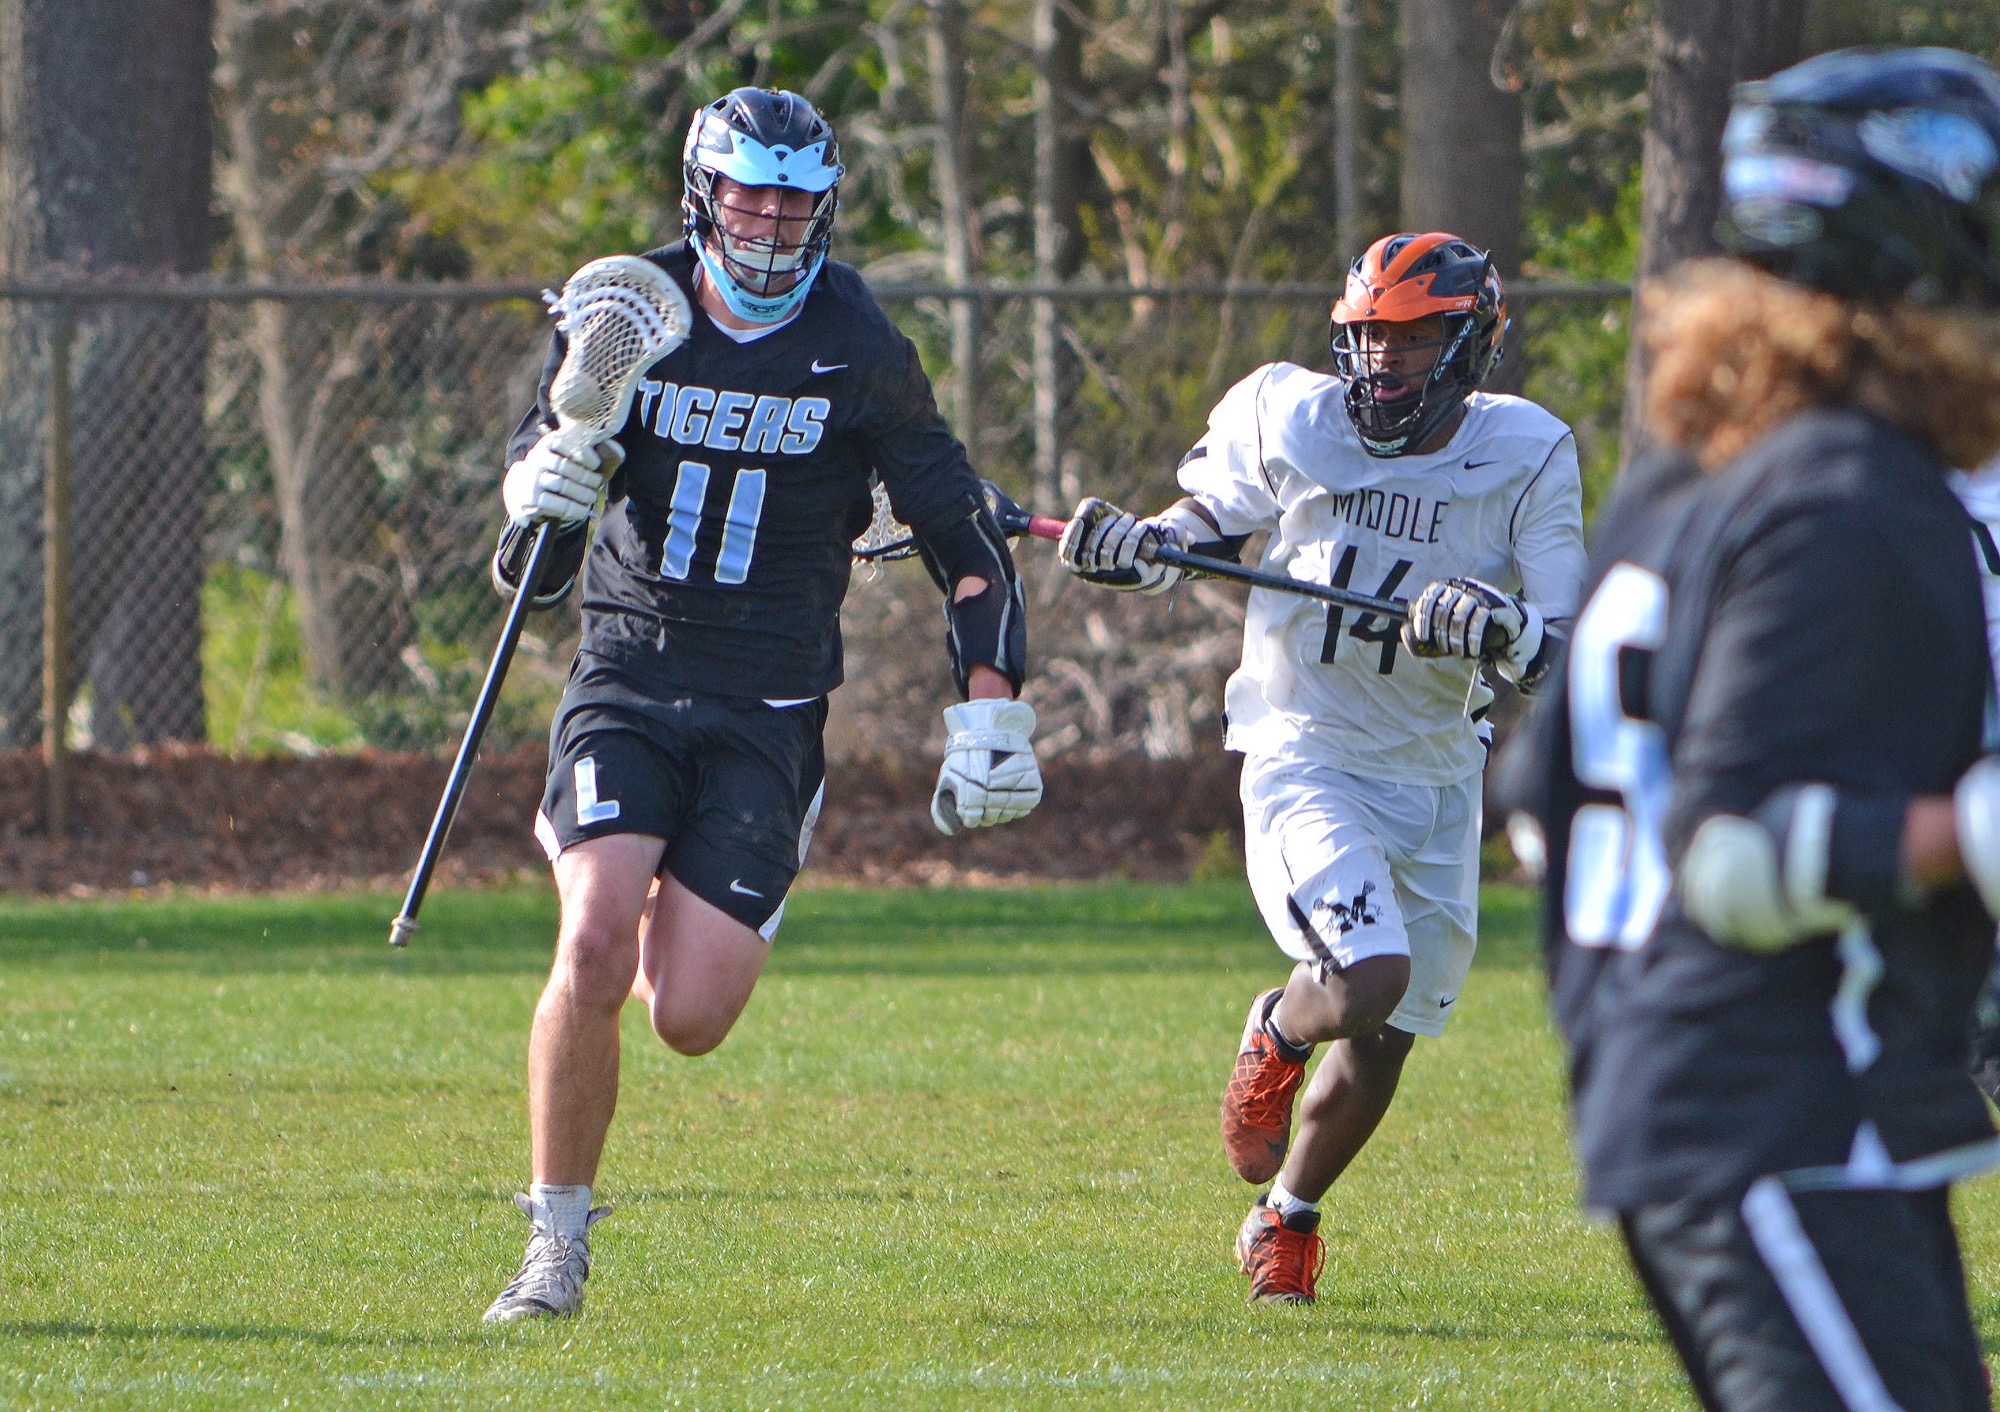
<point x="557" y="483"/>
<point x="1976" y="812"/>
<point x="989" y="774"/>
<point x="1467" y="618"/>
<point x="1105" y="545"/>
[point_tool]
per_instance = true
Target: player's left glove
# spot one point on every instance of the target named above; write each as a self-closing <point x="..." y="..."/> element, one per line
<point x="1105" y="545"/>
<point x="989" y="774"/>
<point x="1467" y="618"/>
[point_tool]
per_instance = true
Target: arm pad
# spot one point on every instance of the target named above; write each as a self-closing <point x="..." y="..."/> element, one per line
<point x="559" y="570"/>
<point x="991" y="627"/>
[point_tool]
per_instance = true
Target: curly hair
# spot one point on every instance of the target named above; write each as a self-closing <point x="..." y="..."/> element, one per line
<point x="1736" y="351"/>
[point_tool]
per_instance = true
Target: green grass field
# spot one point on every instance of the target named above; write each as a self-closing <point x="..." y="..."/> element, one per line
<point x="961" y="1151"/>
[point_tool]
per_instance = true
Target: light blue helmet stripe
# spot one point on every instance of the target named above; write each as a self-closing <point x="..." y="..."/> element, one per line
<point x="749" y="161"/>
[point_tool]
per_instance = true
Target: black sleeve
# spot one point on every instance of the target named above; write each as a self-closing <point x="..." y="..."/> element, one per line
<point x="922" y="465"/>
<point x="1773" y="699"/>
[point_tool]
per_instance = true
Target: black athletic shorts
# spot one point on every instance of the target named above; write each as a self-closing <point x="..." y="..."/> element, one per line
<point x="1816" y="1301"/>
<point x="733" y="786"/>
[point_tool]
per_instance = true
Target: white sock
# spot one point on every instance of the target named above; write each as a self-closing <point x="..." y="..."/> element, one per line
<point x="1285" y="1204"/>
<point x="567" y="1208"/>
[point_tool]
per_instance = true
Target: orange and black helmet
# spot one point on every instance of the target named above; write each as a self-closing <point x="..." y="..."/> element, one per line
<point x="1399" y="279"/>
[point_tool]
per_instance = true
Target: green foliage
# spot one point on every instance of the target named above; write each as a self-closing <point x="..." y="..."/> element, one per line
<point x="261" y="699"/>
<point x="961" y="1153"/>
<point x="1576" y="353"/>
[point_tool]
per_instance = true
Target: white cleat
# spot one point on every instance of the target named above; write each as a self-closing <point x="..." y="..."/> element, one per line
<point x="550" y="1283"/>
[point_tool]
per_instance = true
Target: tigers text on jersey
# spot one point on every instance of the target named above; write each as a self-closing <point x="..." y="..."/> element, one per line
<point x="724" y="557"/>
<point x="1502" y="502"/>
<point x="1807" y="614"/>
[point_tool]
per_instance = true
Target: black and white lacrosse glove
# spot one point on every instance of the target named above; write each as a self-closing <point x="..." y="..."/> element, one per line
<point x="557" y="484"/>
<point x="1105" y="545"/>
<point x="989" y="775"/>
<point x="1467" y="618"/>
<point x="1760" y="883"/>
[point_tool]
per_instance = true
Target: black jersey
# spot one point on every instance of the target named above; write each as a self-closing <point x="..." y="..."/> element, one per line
<point x="723" y="559"/>
<point x="1810" y="613"/>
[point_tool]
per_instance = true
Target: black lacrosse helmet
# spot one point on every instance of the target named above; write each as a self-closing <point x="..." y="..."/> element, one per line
<point x="1870" y="174"/>
<point x="1399" y="279"/>
<point x="760" y="137"/>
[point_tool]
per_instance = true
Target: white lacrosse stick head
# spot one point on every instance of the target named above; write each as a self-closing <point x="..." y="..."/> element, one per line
<point x="620" y="315"/>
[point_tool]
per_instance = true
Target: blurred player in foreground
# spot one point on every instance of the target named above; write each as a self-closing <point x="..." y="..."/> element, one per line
<point x="1758" y="781"/>
<point x="686" y="747"/>
<point x="1363" y="737"/>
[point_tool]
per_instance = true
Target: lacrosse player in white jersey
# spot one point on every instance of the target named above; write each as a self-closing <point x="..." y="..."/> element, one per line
<point x="1363" y="736"/>
<point x="1979" y="492"/>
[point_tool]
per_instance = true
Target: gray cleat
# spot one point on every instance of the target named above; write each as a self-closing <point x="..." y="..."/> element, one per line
<point x="552" y="1273"/>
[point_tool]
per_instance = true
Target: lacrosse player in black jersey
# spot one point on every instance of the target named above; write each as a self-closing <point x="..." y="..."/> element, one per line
<point x="1773" y="842"/>
<point x="686" y="747"/>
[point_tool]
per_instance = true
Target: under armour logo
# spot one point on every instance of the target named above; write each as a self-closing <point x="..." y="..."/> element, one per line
<point x="1349" y="915"/>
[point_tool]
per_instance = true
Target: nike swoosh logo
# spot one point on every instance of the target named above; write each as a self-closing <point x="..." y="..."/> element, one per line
<point x="1475" y="465"/>
<point x="735" y="886"/>
<point x="829" y="368"/>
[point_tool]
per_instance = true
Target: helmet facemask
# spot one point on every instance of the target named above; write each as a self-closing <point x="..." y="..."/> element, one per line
<point x="760" y="139"/>
<point x="1392" y="414"/>
<point x="769" y="265"/>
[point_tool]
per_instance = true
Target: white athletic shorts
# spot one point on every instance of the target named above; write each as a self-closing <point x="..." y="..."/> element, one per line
<point x="1345" y="867"/>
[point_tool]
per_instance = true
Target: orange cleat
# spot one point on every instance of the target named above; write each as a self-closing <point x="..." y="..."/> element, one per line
<point x="1257" y="1105"/>
<point x="1282" y="1258"/>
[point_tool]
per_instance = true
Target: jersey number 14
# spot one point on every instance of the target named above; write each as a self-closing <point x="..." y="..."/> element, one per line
<point x="1367" y="627"/>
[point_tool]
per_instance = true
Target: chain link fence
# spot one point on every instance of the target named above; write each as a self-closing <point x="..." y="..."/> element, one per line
<point x="259" y="518"/>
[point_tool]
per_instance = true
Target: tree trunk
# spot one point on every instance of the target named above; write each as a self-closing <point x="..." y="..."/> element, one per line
<point x="104" y="169"/>
<point x="145" y="663"/>
<point x="1350" y="207"/>
<point x="1061" y="157"/>
<point x="944" y="36"/>
<point x="1462" y="161"/>
<point x="332" y="542"/>
<point x="1701" y="49"/>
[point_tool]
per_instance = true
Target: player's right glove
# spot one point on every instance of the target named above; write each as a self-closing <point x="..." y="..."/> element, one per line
<point x="558" y="484"/>
<point x="1760" y="883"/>
<point x="989" y="774"/>
<point x="1976" y="814"/>
<point x="1105" y="545"/>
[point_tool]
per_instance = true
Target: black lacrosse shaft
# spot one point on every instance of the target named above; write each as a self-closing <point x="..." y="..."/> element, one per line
<point x="1257" y="578"/>
<point x="405" y="924"/>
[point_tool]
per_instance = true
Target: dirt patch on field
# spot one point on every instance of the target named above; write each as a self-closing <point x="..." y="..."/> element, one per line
<point x="192" y="819"/>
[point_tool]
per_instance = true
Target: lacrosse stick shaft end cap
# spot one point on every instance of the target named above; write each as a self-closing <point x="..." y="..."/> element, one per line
<point x="401" y="930"/>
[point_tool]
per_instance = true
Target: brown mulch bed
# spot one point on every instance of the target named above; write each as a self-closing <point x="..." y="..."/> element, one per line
<point x="193" y="819"/>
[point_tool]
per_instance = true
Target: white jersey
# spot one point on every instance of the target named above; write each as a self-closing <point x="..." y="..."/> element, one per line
<point x="1502" y="502"/>
<point x="1979" y="492"/>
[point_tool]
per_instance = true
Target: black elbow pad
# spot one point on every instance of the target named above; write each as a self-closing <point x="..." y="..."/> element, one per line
<point x="989" y="629"/>
<point x="560" y="565"/>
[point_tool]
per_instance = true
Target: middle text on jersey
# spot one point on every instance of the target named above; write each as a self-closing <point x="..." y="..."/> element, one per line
<point x="1392" y="513"/>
